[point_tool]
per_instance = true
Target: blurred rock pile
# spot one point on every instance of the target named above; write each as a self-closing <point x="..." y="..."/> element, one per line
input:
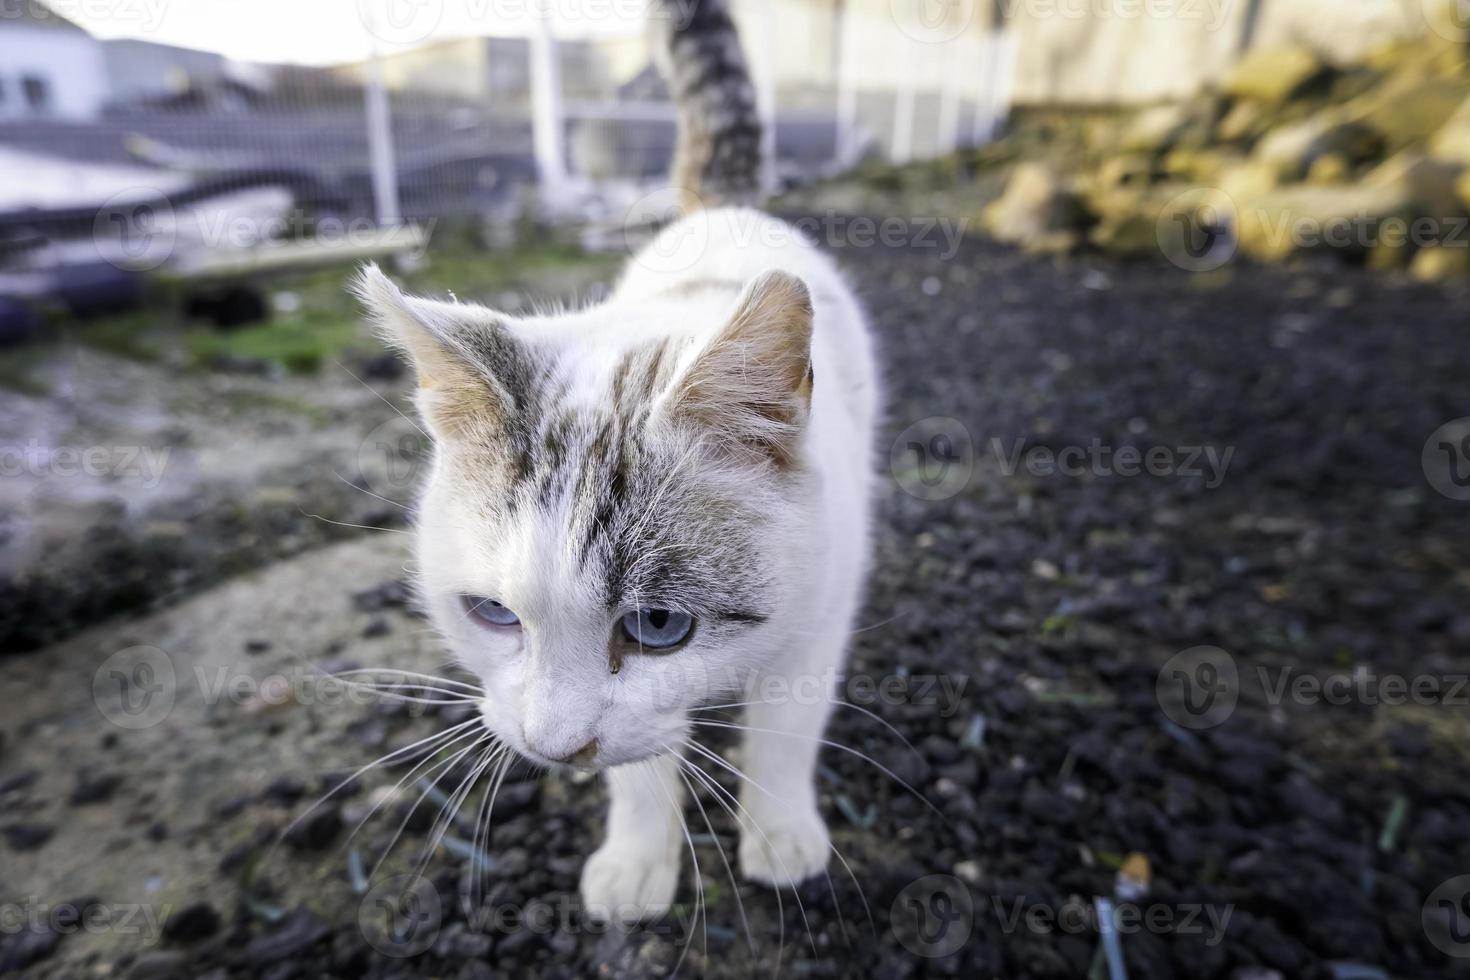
<point x="1289" y="154"/>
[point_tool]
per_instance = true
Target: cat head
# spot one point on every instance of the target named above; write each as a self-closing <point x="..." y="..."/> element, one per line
<point x="614" y="513"/>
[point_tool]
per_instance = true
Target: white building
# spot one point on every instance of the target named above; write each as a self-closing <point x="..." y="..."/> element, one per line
<point x="49" y="67"/>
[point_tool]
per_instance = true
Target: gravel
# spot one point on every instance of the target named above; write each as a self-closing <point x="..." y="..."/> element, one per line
<point x="1050" y="605"/>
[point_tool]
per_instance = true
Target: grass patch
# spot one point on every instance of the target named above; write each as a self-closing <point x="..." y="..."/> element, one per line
<point x="303" y="341"/>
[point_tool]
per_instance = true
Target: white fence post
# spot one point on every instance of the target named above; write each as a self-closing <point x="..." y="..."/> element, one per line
<point x="765" y="68"/>
<point x="546" y="110"/>
<point x="380" y="146"/>
<point x="903" y="120"/>
<point x="949" y="99"/>
<point x="847" y="92"/>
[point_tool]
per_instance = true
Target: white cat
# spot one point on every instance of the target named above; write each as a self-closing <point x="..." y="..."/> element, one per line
<point x="648" y="506"/>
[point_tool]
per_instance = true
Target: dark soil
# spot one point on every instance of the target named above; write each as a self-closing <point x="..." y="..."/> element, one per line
<point x="1313" y="831"/>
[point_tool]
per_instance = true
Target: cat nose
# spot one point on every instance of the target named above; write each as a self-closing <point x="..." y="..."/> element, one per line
<point x="582" y="756"/>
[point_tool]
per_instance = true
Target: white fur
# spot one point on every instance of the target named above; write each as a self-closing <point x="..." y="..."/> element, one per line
<point x="549" y="704"/>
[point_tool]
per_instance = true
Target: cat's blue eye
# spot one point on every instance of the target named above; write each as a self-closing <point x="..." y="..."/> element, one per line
<point x="489" y="611"/>
<point x="657" y="628"/>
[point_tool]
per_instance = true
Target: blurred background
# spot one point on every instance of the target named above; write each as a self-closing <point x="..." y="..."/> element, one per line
<point x="1234" y="226"/>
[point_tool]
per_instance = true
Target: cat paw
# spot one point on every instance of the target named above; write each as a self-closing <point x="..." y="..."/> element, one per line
<point x="786" y="850"/>
<point x="628" y="884"/>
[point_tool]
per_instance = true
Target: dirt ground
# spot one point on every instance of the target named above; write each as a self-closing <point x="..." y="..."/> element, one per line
<point x="1034" y="628"/>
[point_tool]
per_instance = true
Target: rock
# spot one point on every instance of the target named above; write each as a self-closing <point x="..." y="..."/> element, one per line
<point x="159" y="964"/>
<point x="1451" y="142"/>
<point x="196" y="921"/>
<point x="1154" y="129"/>
<point x="289" y="938"/>
<point x="27" y="836"/>
<point x="1428" y="185"/>
<point x="1347" y="218"/>
<point x="94" y="787"/>
<point x="25" y="947"/>
<point x="1038" y="211"/>
<point x="1439" y="263"/>
<point x="385" y="595"/>
<point x="1292" y="149"/>
<point x="1273" y="75"/>
<point x="316" y="830"/>
<point x="1331" y="168"/>
<point x="1408" y="108"/>
<point x="1244" y="121"/>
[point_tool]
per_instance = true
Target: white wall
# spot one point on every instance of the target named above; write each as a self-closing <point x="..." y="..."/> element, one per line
<point x="70" y="63"/>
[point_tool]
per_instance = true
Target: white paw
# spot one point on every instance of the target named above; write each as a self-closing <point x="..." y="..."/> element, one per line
<point x="786" y="850"/>
<point x="623" y="883"/>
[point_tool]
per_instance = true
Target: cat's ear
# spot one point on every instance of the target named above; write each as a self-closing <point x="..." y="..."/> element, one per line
<point x="469" y="365"/>
<point x="751" y="385"/>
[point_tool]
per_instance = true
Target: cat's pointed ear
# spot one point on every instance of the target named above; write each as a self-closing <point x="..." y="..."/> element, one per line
<point x="751" y="385"/>
<point x="468" y="363"/>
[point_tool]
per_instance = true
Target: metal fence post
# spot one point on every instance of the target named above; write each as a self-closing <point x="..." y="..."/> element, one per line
<point x="546" y="109"/>
<point x="380" y="146"/>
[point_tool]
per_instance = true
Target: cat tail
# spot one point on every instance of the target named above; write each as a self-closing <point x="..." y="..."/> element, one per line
<point x="717" y="158"/>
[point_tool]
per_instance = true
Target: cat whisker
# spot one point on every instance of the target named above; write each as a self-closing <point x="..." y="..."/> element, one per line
<point x="835" y="702"/>
<point x="451" y="807"/>
<point x="700" y="912"/>
<point x="412" y="675"/>
<point x="383" y="399"/>
<point x="719" y="792"/>
<point x="720" y="760"/>
<point x="724" y="859"/>
<point x="447" y="767"/>
<point x="358" y="527"/>
<point x="836" y="745"/>
<point x="375" y="496"/>
<point x="449" y="736"/>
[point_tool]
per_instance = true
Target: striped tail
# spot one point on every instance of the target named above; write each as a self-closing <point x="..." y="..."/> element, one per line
<point x="717" y="160"/>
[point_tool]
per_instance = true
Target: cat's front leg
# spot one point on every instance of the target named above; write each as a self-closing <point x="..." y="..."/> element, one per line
<point x="635" y="872"/>
<point x="783" y="839"/>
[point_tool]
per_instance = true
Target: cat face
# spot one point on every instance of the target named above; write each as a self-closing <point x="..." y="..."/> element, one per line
<point x="613" y="512"/>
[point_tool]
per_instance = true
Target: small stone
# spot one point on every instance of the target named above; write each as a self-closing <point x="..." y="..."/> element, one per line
<point x="192" y="922"/>
<point x="317" y="831"/>
<point x="27" y="836"/>
<point x="94" y="787"/>
<point x="378" y="627"/>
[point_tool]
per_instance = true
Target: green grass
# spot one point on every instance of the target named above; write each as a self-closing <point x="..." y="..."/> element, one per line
<point x="301" y="341"/>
